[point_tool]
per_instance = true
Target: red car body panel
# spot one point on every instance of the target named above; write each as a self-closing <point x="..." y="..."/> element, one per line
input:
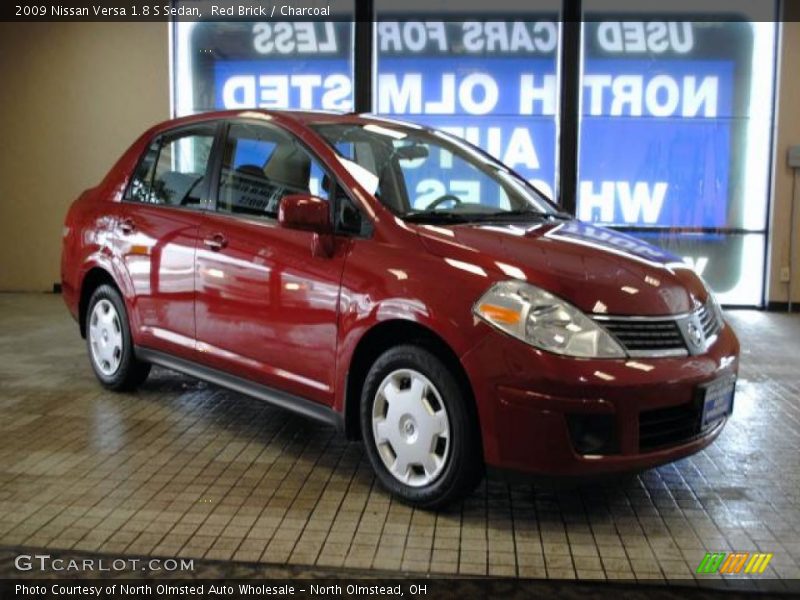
<point x="162" y="299"/>
<point x="266" y="307"/>
<point x="269" y="308"/>
<point x="526" y="417"/>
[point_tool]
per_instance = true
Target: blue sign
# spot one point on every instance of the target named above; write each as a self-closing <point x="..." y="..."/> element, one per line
<point x="655" y="138"/>
<point x="284" y="83"/>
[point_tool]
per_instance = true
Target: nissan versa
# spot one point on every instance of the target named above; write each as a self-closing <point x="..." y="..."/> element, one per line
<point x="402" y="285"/>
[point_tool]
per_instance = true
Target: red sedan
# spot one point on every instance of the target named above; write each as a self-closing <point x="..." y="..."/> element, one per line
<point x="402" y="285"/>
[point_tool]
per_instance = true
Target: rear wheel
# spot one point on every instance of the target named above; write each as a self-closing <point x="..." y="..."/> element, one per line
<point x="419" y="434"/>
<point x="108" y="338"/>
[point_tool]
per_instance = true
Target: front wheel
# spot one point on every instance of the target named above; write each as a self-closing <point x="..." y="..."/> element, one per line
<point x="419" y="433"/>
<point x="108" y="337"/>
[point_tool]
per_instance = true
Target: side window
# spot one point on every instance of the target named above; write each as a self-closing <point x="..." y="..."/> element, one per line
<point x="348" y="217"/>
<point x="260" y="166"/>
<point x="390" y="189"/>
<point x="319" y="182"/>
<point x="139" y="188"/>
<point x="173" y="171"/>
<point x="181" y="168"/>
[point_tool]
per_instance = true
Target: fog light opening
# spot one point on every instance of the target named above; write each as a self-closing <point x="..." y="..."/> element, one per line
<point x="593" y="434"/>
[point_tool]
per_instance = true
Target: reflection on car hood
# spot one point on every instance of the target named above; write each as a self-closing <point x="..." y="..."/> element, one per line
<point x="596" y="269"/>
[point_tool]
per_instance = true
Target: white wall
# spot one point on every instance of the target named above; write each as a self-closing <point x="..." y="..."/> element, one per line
<point x="787" y="133"/>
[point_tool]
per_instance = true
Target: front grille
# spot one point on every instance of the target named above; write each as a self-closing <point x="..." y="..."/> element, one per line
<point x="668" y="426"/>
<point x="708" y="320"/>
<point x="664" y="336"/>
<point x="647" y="337"/>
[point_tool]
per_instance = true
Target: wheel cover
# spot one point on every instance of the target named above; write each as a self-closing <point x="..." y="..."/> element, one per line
<point x="105" y="337"/>
<point x="411" y="428"/>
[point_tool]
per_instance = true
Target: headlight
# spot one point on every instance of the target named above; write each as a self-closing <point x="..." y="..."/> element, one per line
<point x="545" y="321"/>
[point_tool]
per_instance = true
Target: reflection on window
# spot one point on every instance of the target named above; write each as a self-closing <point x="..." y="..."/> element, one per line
<point x="263" y="165"/>
<point x="173" y="170"/>
<point x="417" y="170"/>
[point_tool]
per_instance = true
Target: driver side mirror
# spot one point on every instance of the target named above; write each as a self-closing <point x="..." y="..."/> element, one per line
<point x="305" y="212"/>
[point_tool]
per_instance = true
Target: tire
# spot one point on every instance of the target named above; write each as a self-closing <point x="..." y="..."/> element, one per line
<point x="438" y="459"/>
<point x="109" y="342"/>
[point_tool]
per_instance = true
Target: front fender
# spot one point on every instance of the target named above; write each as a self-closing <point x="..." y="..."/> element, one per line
<point x="387" y="282"/>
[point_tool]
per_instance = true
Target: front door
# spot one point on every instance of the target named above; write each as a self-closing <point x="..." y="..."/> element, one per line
<point x="266" y="304"/>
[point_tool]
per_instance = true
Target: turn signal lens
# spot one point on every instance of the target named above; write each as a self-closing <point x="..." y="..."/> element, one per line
<point x="499" y="314"/>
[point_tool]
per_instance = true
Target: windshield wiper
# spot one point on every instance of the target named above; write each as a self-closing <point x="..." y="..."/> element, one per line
<point x="436" y="216"/>
<point x="454" y="217"/>
<point x="524" y="212"/>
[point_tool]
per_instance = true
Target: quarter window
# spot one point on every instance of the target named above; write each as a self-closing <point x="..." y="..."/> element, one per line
<point x="139" y="189"/>
<point x="173" y="171"/>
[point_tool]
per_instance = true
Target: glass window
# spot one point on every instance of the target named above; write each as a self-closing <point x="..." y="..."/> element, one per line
<point x="265" y="64"/>
<point x="181" y="169"/>
<point x="263" y="164"/>
<point x="675" y="133"/>
<point x="485" y="76"/>
<point x="139" y="188"/>
<point x="422" y="174"/>
<point x="174" y="169"/>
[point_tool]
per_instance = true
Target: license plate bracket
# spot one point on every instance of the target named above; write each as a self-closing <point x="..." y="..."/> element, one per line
<point x="717" y="401"/>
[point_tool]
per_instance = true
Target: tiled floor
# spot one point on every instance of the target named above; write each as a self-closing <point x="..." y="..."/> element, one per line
<point x="182" y="468"/>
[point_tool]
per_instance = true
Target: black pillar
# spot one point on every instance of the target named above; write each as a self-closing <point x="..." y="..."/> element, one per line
<point x="570" y="105"/>
<point x="362" y="59"/>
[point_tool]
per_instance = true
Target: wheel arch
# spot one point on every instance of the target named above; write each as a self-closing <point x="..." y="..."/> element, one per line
<point x="386" y="335"/>
<point x="94" y="278"/>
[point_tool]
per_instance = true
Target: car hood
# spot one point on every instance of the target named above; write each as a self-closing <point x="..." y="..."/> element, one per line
<point x="596" y="269"/>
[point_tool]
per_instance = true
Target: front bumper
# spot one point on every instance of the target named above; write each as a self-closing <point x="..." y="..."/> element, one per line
<point x="529" y="400"/>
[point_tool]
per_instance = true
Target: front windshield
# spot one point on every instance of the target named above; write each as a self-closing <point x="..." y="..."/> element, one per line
<point x="420" y="174"/>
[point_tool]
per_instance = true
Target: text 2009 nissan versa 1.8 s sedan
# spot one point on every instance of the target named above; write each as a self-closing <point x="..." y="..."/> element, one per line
<point x="402" y="285"/>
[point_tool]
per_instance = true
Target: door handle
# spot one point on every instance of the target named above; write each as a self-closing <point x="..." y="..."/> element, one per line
<point x="127" y="226"/>
<point x="216" y="242"/>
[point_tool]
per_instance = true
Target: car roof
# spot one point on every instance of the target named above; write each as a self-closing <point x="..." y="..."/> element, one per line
<point x="303" y="117"/>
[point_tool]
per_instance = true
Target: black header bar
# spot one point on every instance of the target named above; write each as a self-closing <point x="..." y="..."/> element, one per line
<point x="350" y="11"/>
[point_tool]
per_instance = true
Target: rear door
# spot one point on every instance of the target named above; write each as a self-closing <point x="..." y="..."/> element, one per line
<point x="266" y="303"/>
<point x="159" y="229"/>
